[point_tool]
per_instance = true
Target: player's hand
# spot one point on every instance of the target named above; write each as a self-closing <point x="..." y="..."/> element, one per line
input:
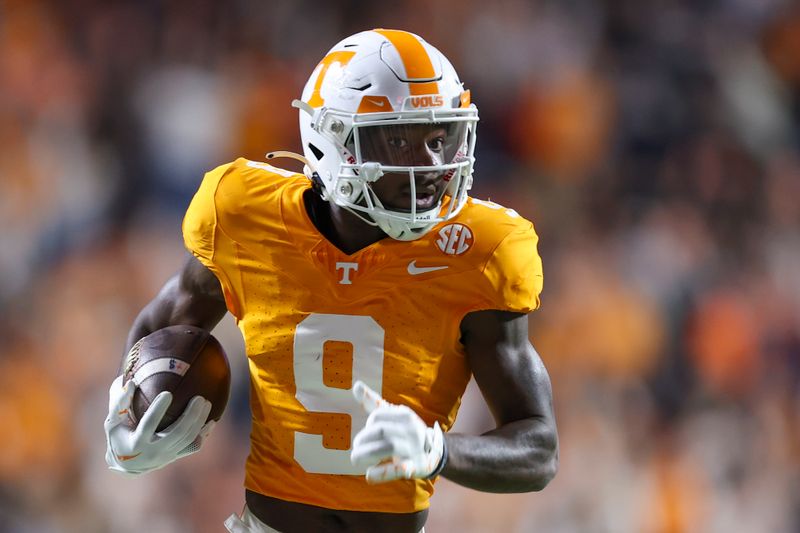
<point x="142" y="449"/>
<point x="395" y="442"/>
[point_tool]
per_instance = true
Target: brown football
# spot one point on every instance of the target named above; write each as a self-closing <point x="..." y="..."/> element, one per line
<point x="185" y="360"/>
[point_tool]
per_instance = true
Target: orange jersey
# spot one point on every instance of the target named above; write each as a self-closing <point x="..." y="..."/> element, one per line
<point x="315" y="319"/>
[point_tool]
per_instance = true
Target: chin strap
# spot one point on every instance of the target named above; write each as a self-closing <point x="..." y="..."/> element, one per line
<point x="316" y="114"/>
<point x="308" y="170"/>
<point x="289" y="155"/>
<point x="299" y="104"/>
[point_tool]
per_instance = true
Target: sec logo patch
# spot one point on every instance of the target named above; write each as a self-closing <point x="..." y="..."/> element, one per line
<point x="455" y="239"/>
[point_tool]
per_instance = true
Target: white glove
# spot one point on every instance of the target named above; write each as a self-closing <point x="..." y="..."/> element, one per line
<point x="395" y="443"/>
<point x="138" y="450"/>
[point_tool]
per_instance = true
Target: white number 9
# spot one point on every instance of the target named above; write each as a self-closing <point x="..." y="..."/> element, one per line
<point x="366" y="337"/>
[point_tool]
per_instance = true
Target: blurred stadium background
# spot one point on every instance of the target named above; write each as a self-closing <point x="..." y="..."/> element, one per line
<point x="655" y="144"/>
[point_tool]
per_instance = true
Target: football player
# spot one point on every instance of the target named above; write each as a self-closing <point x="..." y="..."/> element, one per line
<point x="368" y="291"/>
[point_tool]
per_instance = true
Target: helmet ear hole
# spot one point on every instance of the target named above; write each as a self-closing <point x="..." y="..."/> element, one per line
<point x="318" y="154"/>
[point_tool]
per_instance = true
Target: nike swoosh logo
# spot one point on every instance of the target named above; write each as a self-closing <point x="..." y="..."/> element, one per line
<point x="379" y="103"/>
<point x="128" y="457"/>
<point x="414" y="270"/>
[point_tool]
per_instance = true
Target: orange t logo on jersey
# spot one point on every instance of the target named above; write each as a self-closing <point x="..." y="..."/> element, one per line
<point x="346" y="268"/>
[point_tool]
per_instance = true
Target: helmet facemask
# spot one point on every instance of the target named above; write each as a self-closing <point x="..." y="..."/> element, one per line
<point x="409" y="173"/>
<point x="404" y="172"/>
<point x="390" y="131"/>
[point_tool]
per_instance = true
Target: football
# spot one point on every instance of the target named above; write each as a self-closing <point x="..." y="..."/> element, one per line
<point x="185" y="360"/>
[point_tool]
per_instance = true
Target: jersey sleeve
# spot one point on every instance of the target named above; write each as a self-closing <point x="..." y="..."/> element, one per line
<point x="513" y="272"/>
<point x="201" y="233"/>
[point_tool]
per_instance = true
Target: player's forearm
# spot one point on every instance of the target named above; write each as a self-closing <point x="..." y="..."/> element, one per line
<point x="155" y="315"/>
<point x="170" y="307"/>
<point x="518" y="457"/>
<point x="192" y="297"/>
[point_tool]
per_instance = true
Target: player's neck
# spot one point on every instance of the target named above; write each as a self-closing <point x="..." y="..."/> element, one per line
<point x="341" y="227"/>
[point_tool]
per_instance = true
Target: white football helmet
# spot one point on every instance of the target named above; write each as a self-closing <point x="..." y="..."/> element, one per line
<point x="368" y="95"/>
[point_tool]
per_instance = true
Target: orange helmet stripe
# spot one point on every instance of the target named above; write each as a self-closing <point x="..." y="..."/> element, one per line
<point x="415" y="59"/>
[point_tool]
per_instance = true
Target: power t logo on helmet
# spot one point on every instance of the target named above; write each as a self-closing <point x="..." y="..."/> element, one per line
<point x="383" y="106"/>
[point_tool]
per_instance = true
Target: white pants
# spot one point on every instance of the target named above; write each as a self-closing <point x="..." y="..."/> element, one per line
<point x="248" y="523"/>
